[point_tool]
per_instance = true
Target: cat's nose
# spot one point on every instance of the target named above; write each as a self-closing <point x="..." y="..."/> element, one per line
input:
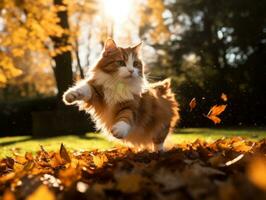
<point x="131" y="71"/>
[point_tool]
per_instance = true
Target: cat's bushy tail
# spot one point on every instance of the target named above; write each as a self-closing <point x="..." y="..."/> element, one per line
<point x="163" y="87"/>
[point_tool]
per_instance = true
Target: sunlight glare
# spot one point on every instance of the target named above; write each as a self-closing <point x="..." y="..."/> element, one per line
<point x="118" y="10"/>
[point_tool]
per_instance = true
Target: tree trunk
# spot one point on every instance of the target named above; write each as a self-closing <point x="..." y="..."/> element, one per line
<point x="63" y="62"/>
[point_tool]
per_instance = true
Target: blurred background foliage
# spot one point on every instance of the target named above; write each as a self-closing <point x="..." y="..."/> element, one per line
<point x="207" y="47"/>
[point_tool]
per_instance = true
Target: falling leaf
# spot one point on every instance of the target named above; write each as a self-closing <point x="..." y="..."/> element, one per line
<point x="192" y="104"/>
<point x="224" y="97"/>
<point x="215" y="119"/>
<point x="214" y="112"/>
<point x="42" y="192"/>
<point x="64" y="154"/>
<point x="256" y="172"/>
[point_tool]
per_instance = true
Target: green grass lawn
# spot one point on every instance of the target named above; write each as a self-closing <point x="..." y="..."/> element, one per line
<point x="22" y="144"/>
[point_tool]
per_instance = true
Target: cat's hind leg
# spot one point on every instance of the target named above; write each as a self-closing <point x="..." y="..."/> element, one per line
<point x="79" y="92"/>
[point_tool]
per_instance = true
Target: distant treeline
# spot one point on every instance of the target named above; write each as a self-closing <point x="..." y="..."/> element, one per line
<point x="16" y="117"/>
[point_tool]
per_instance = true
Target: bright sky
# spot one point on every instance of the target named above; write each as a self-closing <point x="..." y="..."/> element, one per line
<point x="118" y="10"/>
<point x="120" y="15"/>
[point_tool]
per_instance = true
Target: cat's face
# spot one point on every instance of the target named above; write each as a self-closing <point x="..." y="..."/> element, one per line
<point x="121" y="63"/>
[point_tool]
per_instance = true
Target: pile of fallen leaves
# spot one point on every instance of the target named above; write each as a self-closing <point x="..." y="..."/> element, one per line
<point x="226" y="169"/>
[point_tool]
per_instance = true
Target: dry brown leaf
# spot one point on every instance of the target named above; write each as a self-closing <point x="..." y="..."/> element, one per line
<point x="42" y="192"/>
<point x="122" y="170"/>
<point x="9" y="162"/>
<point x="224" y="97"/>
<point x="214" y="112"/>
<point x="241" y="146"/>
<point x="69" y="175"/>
<point x="99" y="160"/>
<point x="29" y="156"/>
<point x="170" y="180"/>
<point x="64" y="154"/>
<point x="129" y="183"/>
<point x="217" y="160"/>
<point x="192" y="104"/>
<point x="7" y="177"/>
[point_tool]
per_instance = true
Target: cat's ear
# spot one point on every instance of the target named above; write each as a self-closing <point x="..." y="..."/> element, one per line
<point x="137" y="48"/>
<point x="109" y="46"/>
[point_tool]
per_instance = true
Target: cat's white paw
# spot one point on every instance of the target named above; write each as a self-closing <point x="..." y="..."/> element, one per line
<point x="120" y="129"/>
<point x="71" y="96"/>
<point x="82" y="91"/>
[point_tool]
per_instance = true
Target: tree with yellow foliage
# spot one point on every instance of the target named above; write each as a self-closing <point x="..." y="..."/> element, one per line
<point x="36" y="39"/>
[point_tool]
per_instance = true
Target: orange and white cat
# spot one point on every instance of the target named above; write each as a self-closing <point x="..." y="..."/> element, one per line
<point x="122" y="102"/>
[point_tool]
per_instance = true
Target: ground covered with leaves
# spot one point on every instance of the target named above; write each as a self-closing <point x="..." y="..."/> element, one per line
<point x="226" y="169"/>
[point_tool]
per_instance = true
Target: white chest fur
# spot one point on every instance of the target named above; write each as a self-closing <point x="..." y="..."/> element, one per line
<point x="116" y="90"/>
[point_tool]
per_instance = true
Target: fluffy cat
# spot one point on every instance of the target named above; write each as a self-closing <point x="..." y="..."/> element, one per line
<point x="122" y="102"/>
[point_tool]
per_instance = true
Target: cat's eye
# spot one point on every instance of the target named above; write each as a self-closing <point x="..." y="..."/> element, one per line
<point x="121" y="63"/>
<point x="136" y="63"/>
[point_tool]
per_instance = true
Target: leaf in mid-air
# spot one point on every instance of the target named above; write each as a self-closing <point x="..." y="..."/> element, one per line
<point x="192" y="104"/>
<point x="214" y="112"/>
<point x="224" y="97"/>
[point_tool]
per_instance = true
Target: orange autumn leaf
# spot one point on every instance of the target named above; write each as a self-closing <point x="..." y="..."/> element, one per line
<point x="214" y="112"/>
<point x="215" y="119"/>
<point x="256" y="172"/>
<point x="192" y="104"/>
<point x="42" y="192"/>
<point x="99" y="160"/>
<point x="224" y="97"/>
<point x="8" y="195"/>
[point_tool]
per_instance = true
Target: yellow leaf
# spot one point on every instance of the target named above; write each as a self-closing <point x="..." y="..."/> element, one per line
<point x="241" y="146"/>
<point x="42" y="192"/>
<point x="2" y="78"/>
<point x="99" y="160"/>
<point x="18" y="52"/>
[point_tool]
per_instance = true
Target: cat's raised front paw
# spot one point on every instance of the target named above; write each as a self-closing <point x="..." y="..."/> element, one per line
<point x="120" y="129"/>
<point x="72" y="95"/>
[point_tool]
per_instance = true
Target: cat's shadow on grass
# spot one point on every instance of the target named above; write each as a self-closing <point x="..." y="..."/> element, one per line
<point x="31" y="138"/>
